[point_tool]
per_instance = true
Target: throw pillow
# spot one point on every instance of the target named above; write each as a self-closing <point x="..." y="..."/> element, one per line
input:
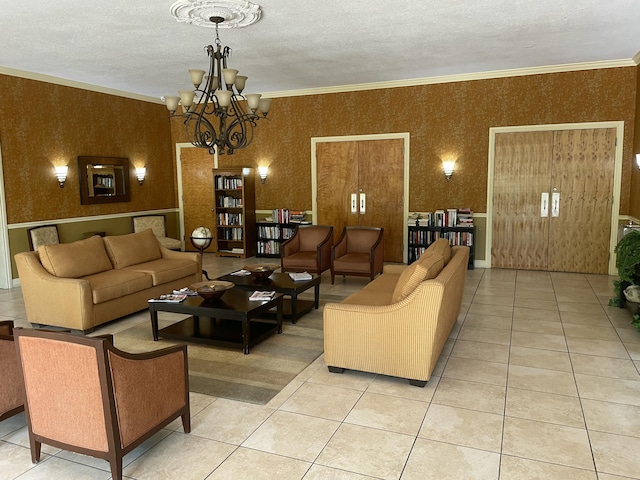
<point x="126" y="250"/>
<point x="408" y="281"/>
<point x="75" y="260"/>
<point x="439" y="247"/>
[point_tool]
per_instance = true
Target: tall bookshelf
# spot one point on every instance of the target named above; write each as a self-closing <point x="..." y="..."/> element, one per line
<point x="270" y="236"/>
<point x="234" y="212"/>
<point x="420" y="237"/>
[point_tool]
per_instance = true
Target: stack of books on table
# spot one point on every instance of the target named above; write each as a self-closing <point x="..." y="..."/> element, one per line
<point x="169" y="298"/>
<point x="298" y="216"/>
<point x="300" y="276"/>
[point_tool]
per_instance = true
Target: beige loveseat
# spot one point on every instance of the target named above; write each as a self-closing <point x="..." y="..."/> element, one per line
<point x="83" y="284"/>
<point x="398" y="324"/>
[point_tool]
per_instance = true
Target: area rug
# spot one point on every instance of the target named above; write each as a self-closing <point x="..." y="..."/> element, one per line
<point x="227" y="372"/>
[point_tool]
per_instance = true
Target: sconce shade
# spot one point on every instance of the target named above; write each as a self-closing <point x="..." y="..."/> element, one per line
<point x="263" y="172"/>
<point x="448" y="166"/>
<point x="140" y="174"/>
<point x="61" y="174"/>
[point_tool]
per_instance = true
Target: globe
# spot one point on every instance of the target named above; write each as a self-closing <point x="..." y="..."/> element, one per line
<point x="201" y="236"/>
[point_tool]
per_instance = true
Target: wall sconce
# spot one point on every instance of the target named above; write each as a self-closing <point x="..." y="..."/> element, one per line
<point x="447" y="167"/>
<point x="638" y="160"/>
<point x="263" y="171"/>
<point x="140" y="174"/>
<point x="61" y="174"/>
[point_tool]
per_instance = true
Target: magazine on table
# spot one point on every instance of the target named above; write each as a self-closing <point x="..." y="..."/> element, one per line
<point x="169" y="298"/>
<point x="185" y="291"/>
<point x="298" y="276"/>
<point x="262" y="296"/>
<point x="241" y="273"/>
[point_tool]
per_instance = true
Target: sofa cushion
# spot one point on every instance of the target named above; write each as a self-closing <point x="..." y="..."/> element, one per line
<point x="165" y="270"/>
<point x="76" y="259"/>
<point x="117" y="284"/>
<point x="306" y="260"/>
<point x="426" y="269"/>
<point x="441" y="247"/>
<point x="126" y="250"/>
<point x="353" y="262"/>
<point x="368" y="297"/>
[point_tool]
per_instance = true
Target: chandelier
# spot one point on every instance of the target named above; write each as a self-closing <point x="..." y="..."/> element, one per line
<point x="217" y="116"/>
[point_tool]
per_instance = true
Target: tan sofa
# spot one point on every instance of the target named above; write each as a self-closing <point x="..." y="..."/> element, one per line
<point x="84" y="284"/>
<point x="398" y="324"/>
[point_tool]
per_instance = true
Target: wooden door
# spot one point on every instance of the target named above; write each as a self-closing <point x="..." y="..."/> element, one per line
<point x="578" y="166"/>
<point x="381" y="179"/>
<point x="197" y="193"/>
<point x="582" y="175"/>
<point x="372" y="167"/>
<point x="522" y="171"/>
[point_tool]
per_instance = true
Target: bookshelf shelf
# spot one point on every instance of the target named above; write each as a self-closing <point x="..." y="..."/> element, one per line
<point x="420" y="237"/>
<point x="270" y="236"/>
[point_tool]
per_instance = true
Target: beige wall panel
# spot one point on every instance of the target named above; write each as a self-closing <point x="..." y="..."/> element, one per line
<point x="583" y="163"/>
<point x="522" y="171"/>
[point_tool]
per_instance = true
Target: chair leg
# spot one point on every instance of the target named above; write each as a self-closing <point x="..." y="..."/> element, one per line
<point x="36" y="449"/>
<point x="186" y="422"/>
<point x="333" y="277"/>
<point x="116" y="467"/>
<point x="335" y="369"/>
<point x="418" y="383"/>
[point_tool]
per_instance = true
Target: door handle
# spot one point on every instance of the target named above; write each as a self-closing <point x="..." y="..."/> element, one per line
<point x="354" y="203"/>
<point x="544" y="204"/>
<point x="555" y="204"/>
<point x="363" y="203"/>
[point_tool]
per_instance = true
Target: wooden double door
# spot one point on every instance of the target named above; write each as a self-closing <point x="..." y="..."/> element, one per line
<point x="362" y="183"/>
<point x="552" y="200"/>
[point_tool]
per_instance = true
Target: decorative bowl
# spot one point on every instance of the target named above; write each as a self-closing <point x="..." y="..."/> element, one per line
<point x="211" y="289"/>
<point x="261" y="272"/>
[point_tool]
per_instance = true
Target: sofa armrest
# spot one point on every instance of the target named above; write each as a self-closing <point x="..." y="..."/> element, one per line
<point x="291" y="246"/>
<point x="47" y="297"/>
<point x="394" y="268"/>
<point x="324" y="252"/>
<point x="150" y="389"/>
<point x="175" y="255"/>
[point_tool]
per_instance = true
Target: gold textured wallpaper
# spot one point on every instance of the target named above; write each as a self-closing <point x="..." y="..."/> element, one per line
<point x="44" y="124"/>
<point x="444" y="120"/>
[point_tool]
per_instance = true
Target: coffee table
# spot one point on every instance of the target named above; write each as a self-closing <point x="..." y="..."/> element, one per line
<point x="281" y="283"/>
<point x="231" y="320"/>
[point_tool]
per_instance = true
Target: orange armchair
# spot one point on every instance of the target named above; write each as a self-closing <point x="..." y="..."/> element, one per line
<point x="359" y="251"/>
<point x="95" y="399"/>
<point x="11" y="385"/>
<point x="309" y="250"/>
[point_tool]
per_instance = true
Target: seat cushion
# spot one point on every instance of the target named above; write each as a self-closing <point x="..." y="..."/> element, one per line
<point x="353" y="262"/>
<point x="116" y="284"/>
<point x="306" y="260"/>
<point x="165" y="270"/>
<point x="126" y="250"/>
<point x="170" y="243"/>
<point x="368" y="297"/>
<point x="76" y="259"/>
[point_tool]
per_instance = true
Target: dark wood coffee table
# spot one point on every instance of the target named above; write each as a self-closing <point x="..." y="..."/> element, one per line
<point x="231" y="320"/>
<point x="281" y="283"/>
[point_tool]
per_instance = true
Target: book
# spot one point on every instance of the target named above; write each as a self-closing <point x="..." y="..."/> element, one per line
<point x="241" y="273"/>
<point x="262" y="296"/>
<point x="169" y="298"/>
<point x="299" y="276"/>
<point x="185" y="291"/>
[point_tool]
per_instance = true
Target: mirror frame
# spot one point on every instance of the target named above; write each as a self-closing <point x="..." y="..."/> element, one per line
<point x="85" y="197"/>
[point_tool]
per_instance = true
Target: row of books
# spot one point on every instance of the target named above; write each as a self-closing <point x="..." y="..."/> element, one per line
<point x="229" y="202"/>
<point x="268" y="247"/>
<point x="228" y="183"/>
<point x="459" y="238"/>
<point x="451" y="217"/>
<point x="229" y="218"/>
<point x="234" y="234"/>
<point x="268" y="232"/>
<point x="284" y="215"/>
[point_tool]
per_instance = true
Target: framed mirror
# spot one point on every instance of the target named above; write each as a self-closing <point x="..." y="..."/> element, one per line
<point x="103" y="180"/>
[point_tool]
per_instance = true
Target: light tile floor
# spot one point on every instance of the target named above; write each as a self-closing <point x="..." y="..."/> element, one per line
<point x="539" y="380"/>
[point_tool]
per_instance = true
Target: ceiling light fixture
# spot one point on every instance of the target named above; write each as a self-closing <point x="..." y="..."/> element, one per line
<point x="221" y="97"/>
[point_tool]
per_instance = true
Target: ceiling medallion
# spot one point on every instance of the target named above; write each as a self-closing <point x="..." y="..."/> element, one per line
<point x="236" y="13"/>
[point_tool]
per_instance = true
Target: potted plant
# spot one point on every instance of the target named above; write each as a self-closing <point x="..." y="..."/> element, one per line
<point x="628" y="264"/>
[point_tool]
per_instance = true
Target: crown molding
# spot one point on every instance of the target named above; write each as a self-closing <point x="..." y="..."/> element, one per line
<point x="465" y="77"/>
<point x="71" y="83"/>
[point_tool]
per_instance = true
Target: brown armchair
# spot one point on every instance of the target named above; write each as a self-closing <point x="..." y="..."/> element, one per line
<point x="95" y="399"/>
<point x="359" y="251"/>
<point x="309" y="250"/>
<point x="11" y="385"/>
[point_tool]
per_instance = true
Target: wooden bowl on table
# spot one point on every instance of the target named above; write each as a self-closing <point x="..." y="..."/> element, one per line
<point x="211" y="289"/>
<point x="261" y="272"/>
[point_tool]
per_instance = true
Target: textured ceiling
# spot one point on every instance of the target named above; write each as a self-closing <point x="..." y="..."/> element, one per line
<point x="136" y="46"/>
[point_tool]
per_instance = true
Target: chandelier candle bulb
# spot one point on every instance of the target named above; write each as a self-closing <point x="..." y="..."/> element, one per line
<point x="224" y="98"/>
<point x="229" y="76"/>
<point x="265" y="105"/>
<point x="186" y="98"/>
<point x="253" y="100"/>
<point x="172" y="102"/>
<point x="241" y="81"/>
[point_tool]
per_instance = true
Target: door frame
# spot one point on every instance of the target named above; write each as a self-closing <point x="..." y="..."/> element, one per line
<point x="359" y="138"/>
<point x="617" y="177"/>
<point x="179" y="147"/>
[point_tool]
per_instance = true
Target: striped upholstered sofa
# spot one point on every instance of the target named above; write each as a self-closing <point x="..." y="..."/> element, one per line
<point x="398" y="324"/>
